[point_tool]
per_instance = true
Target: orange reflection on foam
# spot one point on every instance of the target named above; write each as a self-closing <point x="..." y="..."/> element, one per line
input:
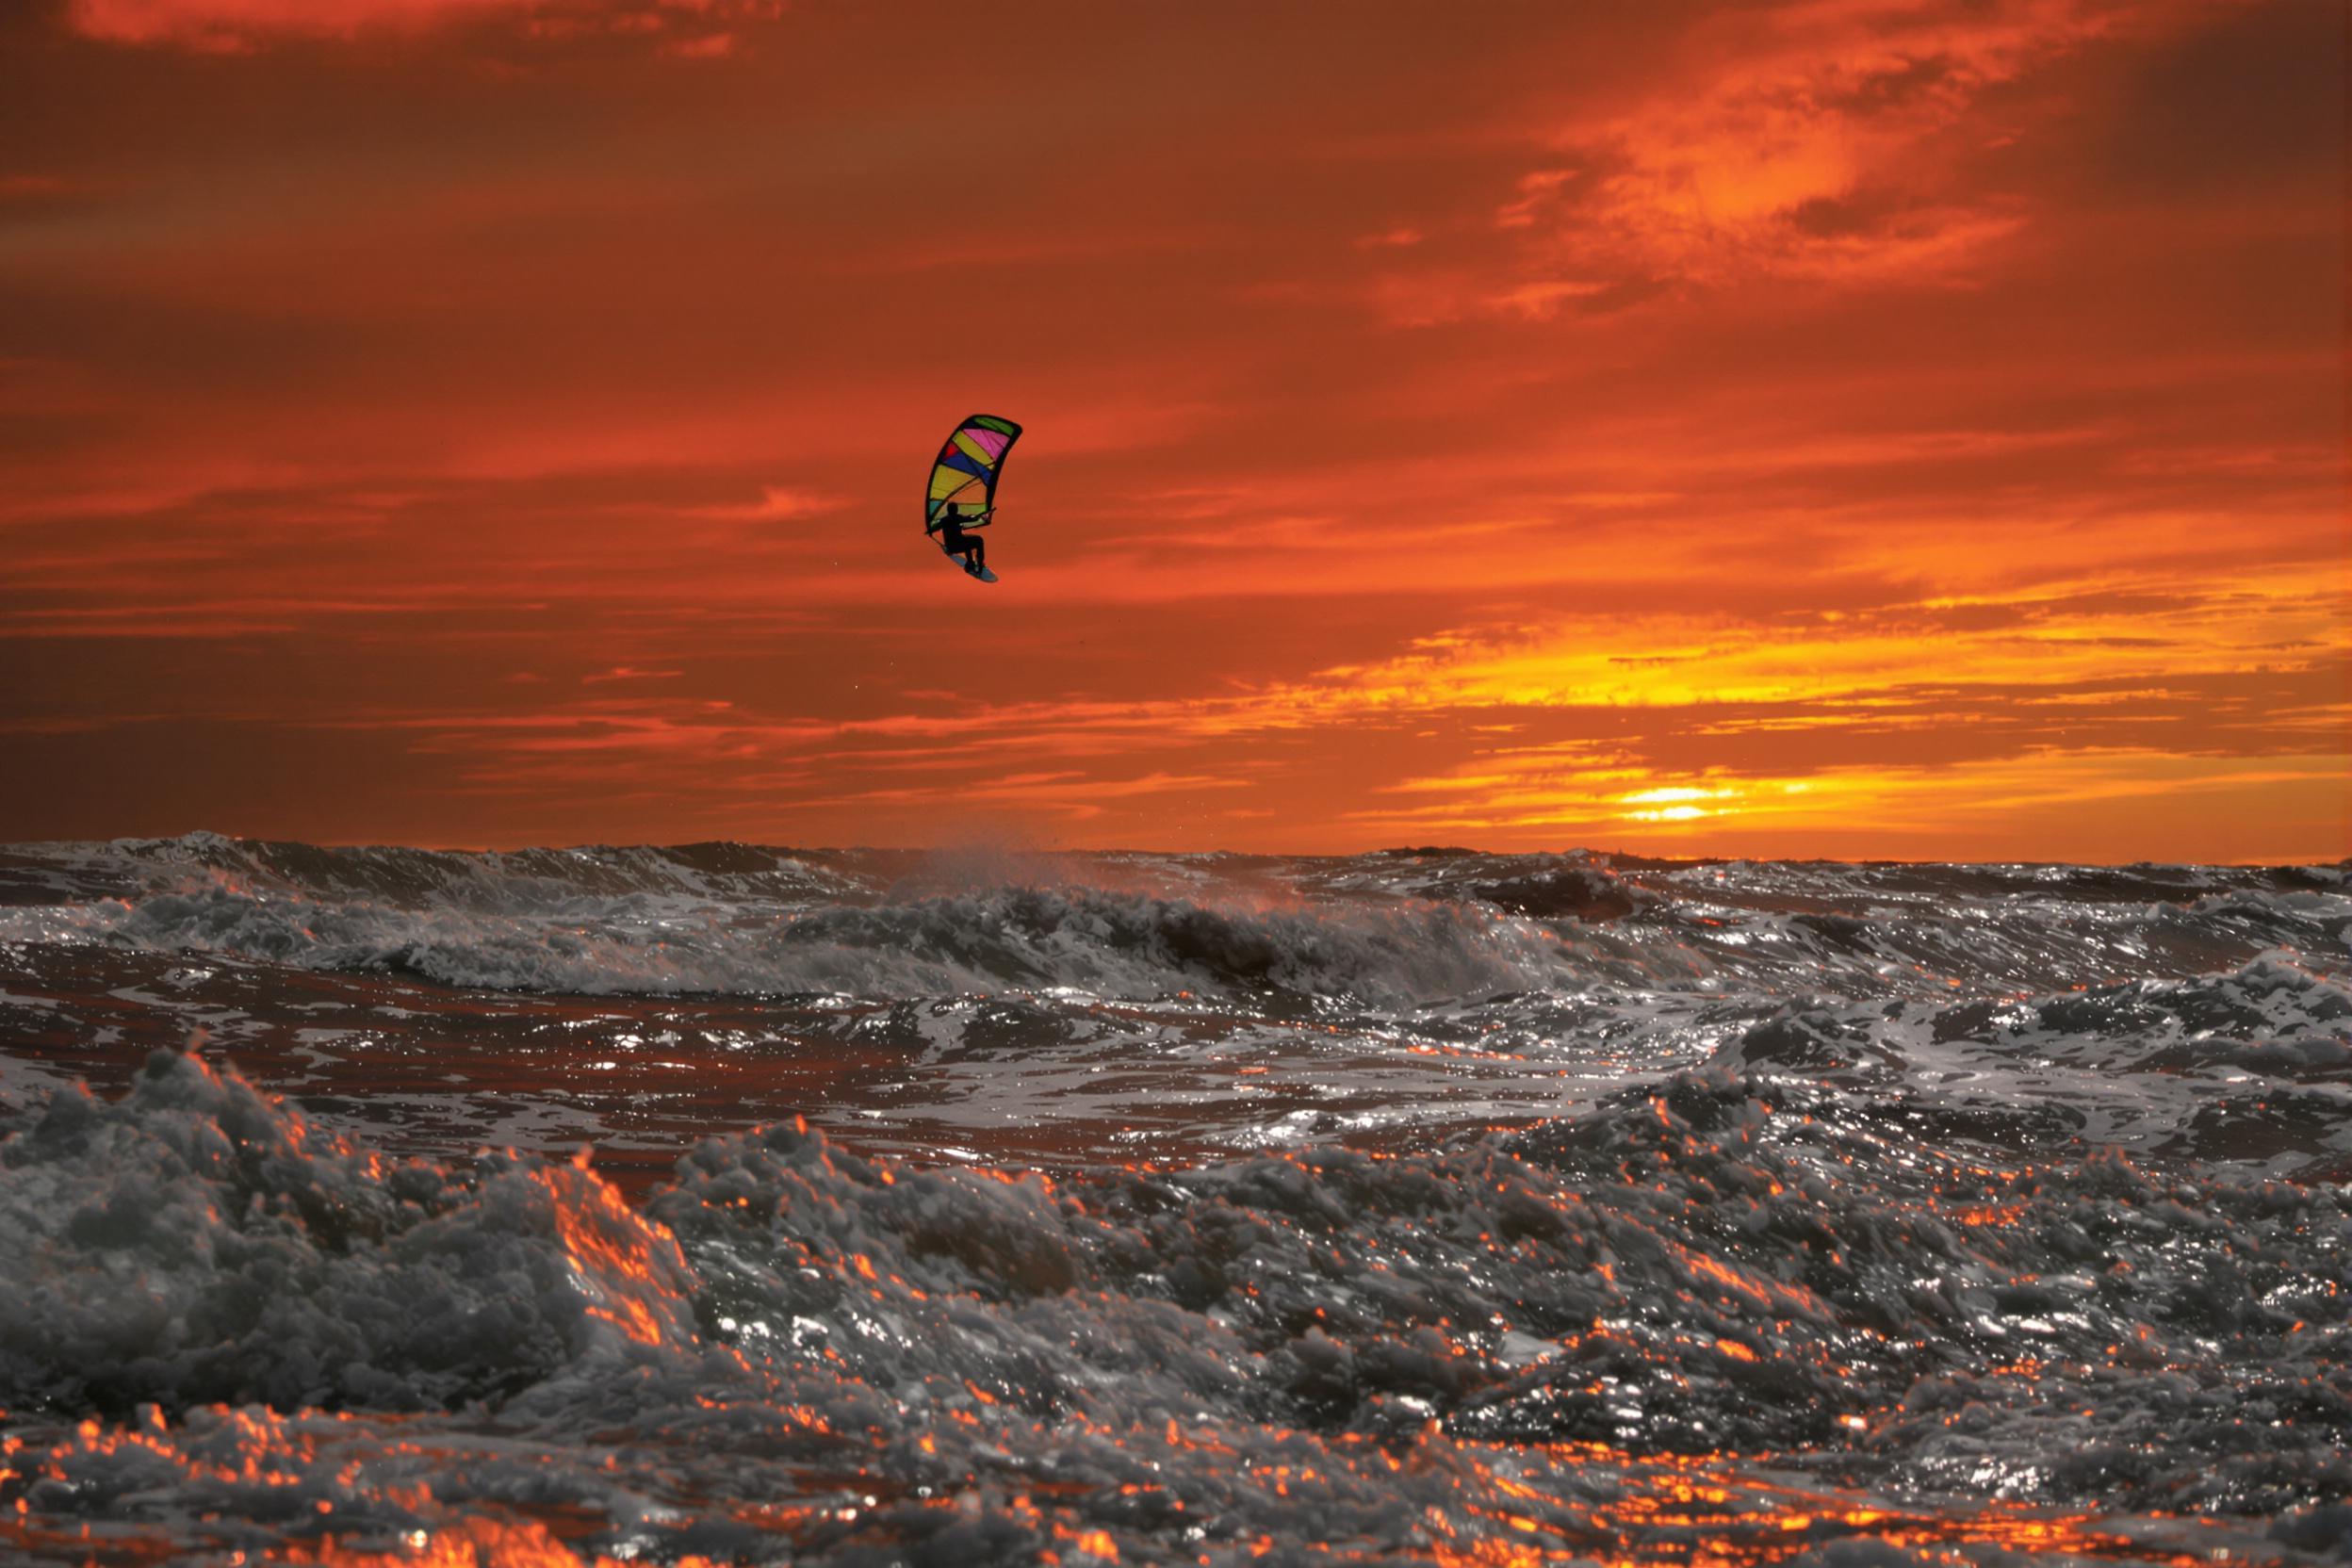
<point x="609" y="1244"/>
<point x="468" y="1544"/>
<point x="1708" y="1509"/>
<point x="1505" y="1506"/>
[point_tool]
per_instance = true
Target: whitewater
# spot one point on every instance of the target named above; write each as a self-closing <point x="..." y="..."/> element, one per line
<point x="723" y="1203"/>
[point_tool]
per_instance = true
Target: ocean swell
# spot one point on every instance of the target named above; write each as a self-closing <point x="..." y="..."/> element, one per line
<point x="1111" y="943"/>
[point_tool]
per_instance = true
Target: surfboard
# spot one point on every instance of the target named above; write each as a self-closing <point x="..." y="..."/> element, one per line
<point x="965" y="566"/>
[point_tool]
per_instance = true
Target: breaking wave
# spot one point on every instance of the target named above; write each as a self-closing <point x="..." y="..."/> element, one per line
<point x="1401" y="929"/>
<point x="1106" y="942"/>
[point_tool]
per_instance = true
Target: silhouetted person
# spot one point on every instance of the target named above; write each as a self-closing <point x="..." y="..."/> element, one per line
<point x="954" y="541"/>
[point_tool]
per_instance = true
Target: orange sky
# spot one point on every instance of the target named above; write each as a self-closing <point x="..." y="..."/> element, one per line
<point x="1847" y="427"/>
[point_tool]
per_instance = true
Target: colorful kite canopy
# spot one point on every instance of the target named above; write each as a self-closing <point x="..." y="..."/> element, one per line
<point x="964" y="476"/>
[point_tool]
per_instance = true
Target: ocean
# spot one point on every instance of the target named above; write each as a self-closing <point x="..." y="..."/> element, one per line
<point x="732" y="1204"/>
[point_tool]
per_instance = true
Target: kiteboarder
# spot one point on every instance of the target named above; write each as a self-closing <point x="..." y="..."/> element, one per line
<point x="954" y="541"/>
<point x="968" y="464"/>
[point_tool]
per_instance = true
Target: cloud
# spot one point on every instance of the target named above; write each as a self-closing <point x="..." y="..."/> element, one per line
<point x="1838" y="144"/>
<point x="28" y="193"/>
<point x="776" y="503"/>
<point x="1622" y="728"/>
<point x="2114" y="802"/>
<point x="1841" y="142"/>
<point x="231" y="24"/>
<point x="238" y="25"/>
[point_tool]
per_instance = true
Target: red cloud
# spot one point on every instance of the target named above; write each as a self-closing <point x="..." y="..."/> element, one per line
<point x="231" y="25"/>
<point x="1836" y="141"/>
<point x="238" y="23"/>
